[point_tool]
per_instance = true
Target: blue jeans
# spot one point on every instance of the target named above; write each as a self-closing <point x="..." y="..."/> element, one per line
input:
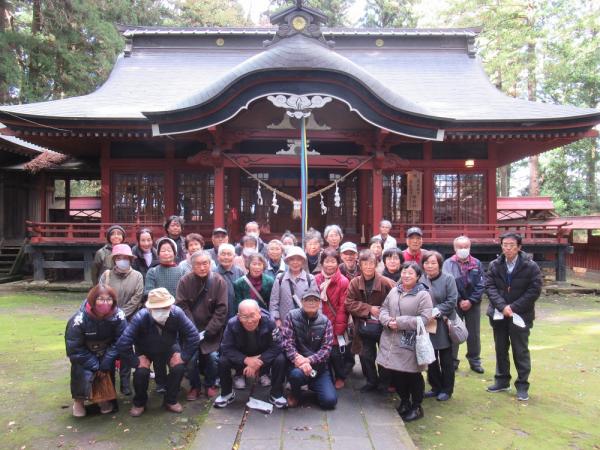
<point x="322" y="385"/>
<point x="209" y="363"/>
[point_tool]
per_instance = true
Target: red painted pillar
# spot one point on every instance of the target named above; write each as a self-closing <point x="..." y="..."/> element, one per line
<point x="170" y="182"/>
<point x="235" y="194"/>
<point x="219" y="196"/>
<point x="363" y="204"/>
<point x="105" y="175"/>
<point x="377" y="201"/>
<point x="492" y="195"/>
<point x="43" y="190"/>
<point x="427" y="185"/>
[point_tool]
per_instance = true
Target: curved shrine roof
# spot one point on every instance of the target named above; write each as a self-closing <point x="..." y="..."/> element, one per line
<point x="427" y="73"/>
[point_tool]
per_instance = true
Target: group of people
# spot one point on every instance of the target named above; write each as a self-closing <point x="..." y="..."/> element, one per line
<point x="293" y="317"/>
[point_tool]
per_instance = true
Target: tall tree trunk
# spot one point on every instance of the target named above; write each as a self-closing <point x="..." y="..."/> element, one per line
<point x="504" y="181"/>
<point x="36" y="20"/>
<point x="592" y="167"/>
<point x="31" y="80"/>
<point x="3" y="16"/>
<point x="3" y="28"/>
<point x="534" y="163"/>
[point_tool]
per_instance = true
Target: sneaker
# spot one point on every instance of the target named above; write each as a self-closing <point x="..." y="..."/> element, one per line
<point x="78" y="408"/>
<point x="136" y="411"/>
<point x="193" y="394"/>
<point x="223" y="400"/>
<point x="404" y="408"/>
<point x="414" y="414"/>
<point x="174" y="408"/>
<point x="430" y="394"/>
<point x="522" y="395"/>
<point x="265" y="380"/>
<point x="239" y="382"/>
<point x="279" y="402"/>
<point x="161" y="389"/>
<point x="211" y="391"/>
<point x="498" y="388"/>
<point x="106" y="407"/>
<point x="339" y="384"/>
<point x="443" y="397"/>
<point x="477" y="369"/>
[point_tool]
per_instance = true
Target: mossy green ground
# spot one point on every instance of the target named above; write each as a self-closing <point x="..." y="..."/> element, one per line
<point x="35" y="398"/>
<point x="562" y="413"/>
<point x="564" y="403"/>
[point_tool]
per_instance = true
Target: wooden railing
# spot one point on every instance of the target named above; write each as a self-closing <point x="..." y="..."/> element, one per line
<point x="85" y="233"/>
<point x="487" y="233"/>
<point x="91" y="233"/>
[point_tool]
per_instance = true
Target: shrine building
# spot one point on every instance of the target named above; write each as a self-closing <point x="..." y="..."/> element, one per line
<point x="408" y="128"/>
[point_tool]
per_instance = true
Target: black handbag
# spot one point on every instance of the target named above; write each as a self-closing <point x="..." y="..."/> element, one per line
<point x="370" y="328"/>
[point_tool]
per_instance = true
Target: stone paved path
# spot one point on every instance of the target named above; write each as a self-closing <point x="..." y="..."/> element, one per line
<point x="360" y="422"/>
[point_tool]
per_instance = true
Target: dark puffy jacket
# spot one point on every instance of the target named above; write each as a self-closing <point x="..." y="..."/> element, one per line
<point x="520" y="290"/>
<point x="90" y="342"/>
<point x="233" y="346"/>
<point x="143" y="332"/>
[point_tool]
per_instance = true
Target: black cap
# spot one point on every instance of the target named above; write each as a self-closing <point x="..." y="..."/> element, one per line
<point x="219" y="230"/>
<point x="414" y="230"/>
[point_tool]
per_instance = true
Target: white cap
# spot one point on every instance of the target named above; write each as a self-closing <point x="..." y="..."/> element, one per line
<point x="348" y="247"/>
<point x="294" y="250"/>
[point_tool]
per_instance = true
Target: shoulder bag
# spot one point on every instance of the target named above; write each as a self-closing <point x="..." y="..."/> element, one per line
<point x="423" y="346"/>
<point x="457" y="330"/>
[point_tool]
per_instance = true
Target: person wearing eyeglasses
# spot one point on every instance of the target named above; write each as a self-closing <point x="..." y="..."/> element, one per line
<point x="513" y="284"/>
<point x="91" y="336"/>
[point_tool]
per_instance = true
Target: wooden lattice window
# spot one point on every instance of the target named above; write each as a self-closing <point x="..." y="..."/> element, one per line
<point x="196" y="196"/>
<point x="138" y="197"/>
<point x="459" y="198"/>
<point x="395" y="200"/>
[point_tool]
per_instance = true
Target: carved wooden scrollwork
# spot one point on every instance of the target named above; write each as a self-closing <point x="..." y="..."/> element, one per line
<point x="391" y="161"/>
<point x="207" y="158"/>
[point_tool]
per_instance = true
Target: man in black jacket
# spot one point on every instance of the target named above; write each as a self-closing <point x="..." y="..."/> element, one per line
<point x="513" y="284"/>
<point x="251" y="343"/>
<point x="163" y="334"/>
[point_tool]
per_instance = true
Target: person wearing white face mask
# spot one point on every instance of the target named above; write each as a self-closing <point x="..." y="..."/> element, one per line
<point x="252" y="229"/>
<point x="129" y="286"/>
<point x="468" y="274"/>
<point x="161" y="333"/>
<point x="249" y="246"/>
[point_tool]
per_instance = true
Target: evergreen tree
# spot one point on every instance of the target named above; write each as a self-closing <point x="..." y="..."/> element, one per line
<point x="389" y="14"/>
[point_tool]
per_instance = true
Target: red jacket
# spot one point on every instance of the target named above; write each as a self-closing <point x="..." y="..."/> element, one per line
<point x="336" y="294"/>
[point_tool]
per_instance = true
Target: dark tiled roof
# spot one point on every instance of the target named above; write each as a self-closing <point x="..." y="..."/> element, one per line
<point x="270" y="31"/>
<point x="431" y="80"/>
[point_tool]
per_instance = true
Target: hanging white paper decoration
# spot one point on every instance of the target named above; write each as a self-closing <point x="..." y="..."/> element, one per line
<point x="323" y="207"/>
<point x="337" y="200"/>
<point x="259" y="199"/>
<point x="274" y="203"/>
<point x="297" y="211"/>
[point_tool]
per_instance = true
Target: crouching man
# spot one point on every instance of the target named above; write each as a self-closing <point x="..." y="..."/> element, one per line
<point x="161" y="333"/>
<point x="251" y="343"/>
<point x="307" y="340"/>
